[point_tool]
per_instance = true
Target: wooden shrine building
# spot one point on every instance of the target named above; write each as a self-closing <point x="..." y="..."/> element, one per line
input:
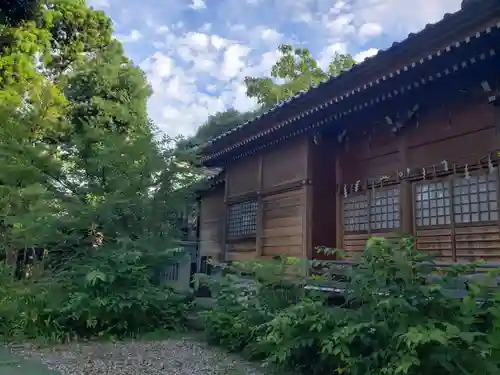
<point x="406" y="142"/>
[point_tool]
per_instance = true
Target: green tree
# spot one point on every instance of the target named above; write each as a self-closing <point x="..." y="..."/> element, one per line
<point x="295" y="71"/>
<point x="86" y="186"/>
<point x="41" y="48"/>
<point x="218" y="124"/>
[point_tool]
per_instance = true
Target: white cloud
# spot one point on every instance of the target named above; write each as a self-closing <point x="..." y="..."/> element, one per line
<point x="133" y="36"/>
<point x="99" y="4"/>
<point x="233" y="61"/>
<point x="197" y="65"/>
<point x="218" y="42"/>
<point x="181" y="100"/>
<point x="198" y="4"/>
<point x="205" y="28"/>
<point x="402" y="19"/>
<point x="361" y="56"/>
<point x="369" y="30"/>
<point x="198" y="41"/>
<point x="162" y="29"/>
<point x="270" y="35"/>
<point x="211" y="88"/>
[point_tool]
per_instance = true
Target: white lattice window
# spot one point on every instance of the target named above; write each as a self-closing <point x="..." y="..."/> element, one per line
<point x="459" y="201"/>
<point x="355" y="210"/>
<point x="379" y="209"/>
<point x="384" y="209"/>
<point x="432" y="203"/>
<point x="475" y="199"/>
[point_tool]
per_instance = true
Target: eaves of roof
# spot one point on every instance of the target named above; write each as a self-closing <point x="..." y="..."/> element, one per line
<point x="471" y="10"/>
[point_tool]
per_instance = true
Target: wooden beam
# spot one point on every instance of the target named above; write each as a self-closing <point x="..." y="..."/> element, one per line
<point x="339" y="226"/>
<point x="307" y="250"/>
<point x="260" y="209"/>
<point x="406" y="203"/>
<point x="224" y="219"/>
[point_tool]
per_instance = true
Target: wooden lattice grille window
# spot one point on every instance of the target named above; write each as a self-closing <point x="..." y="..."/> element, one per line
<point x="384" y="209"/>
<point x="432" y="204"/>
<point x="242" y="219"/>
<point x="476" y="199"/>
<point x="356" y="213"/>
<point x="378" y="209"/>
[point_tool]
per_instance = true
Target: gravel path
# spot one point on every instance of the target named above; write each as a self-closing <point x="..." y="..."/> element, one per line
<point x="180" y="356"/>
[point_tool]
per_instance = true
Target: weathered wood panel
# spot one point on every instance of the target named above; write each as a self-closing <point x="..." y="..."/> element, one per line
<point x="212" y="223"/>
<point x="243" y="176"/>
<point x="282" y="223"/>
<point x="284" y="164"/>
<point x="460" y="134"/>
<point x="354" y="243"/>
<point x="470" y="243"/>
<point x="437" y="242"/>
<point x="371" y="157"/>
<point x="241" y="250"/>
<point x="476" y="243"/>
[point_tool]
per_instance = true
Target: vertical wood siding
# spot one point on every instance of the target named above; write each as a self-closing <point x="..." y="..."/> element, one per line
<point x="282" y="223"/>
<point x="211" y="223"/>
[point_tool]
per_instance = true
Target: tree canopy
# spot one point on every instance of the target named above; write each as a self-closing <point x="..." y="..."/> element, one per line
<point x="295" y="71"/>
<point x="78" y="151"/>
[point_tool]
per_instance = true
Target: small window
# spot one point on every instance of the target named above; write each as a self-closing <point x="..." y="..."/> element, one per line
<point x="356" y="213"/>
<point x="242" y="219"/>
<point x="475" y="198"/>
<point x="384" y="209"/>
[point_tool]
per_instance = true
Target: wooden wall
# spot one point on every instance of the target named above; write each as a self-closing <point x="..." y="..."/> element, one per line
<point x="242" y="177"/>
<point x="277" y="179"/>
<point x="460" y="134"/>
<point x="212" y="223"/>
<point x="285" y="164"/>
<point x="463" y="135"/>
<point x="282" y="223"/>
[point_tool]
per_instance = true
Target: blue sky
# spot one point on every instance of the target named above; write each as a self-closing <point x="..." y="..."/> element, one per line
<point x="196" y="53"/>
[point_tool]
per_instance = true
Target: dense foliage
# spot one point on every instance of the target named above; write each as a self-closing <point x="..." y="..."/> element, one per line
<point x="396" y="319"/>
<point x="89" y="193"/>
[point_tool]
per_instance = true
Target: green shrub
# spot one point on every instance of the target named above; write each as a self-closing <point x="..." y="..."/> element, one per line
<point x="247" y="295"/>
<point x="405" y="324"/>
<point x="110" y="294"/>
<point x="397" y="320"/>
<point x="30" y="310"/>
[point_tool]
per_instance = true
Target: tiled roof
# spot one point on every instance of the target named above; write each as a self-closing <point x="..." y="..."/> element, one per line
<point x="466" y="6"/>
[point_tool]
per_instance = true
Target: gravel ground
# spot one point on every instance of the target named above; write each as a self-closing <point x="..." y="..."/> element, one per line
<point x="179" y="356"/>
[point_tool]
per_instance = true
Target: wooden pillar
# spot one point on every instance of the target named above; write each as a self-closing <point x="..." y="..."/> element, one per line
<point x="496" y="111"/>
<point x="198" y="225"/>
<point x="406" y="196"/>
<point x="339" y="217"/>
<point x="307" y="250"/>
<point x="224" y="219"/>
<point x="260" y="209"/>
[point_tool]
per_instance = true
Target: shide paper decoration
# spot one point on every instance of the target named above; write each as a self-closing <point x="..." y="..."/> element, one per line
<point x="422" y="173"/>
